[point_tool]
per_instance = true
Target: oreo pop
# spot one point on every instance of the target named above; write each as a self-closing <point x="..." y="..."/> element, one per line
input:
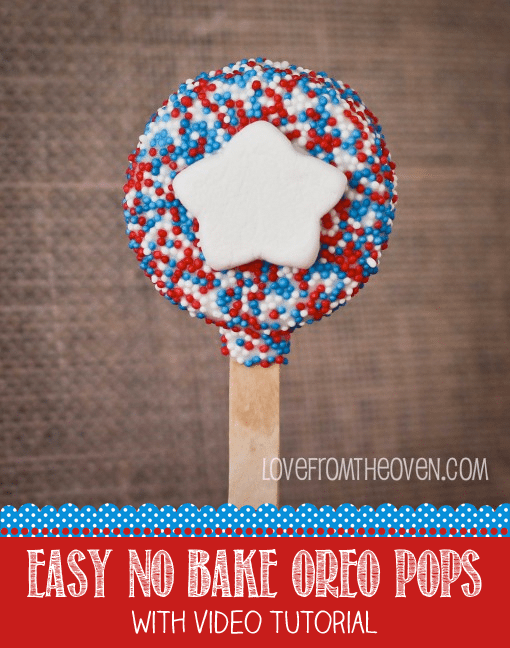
<point x="259" y="198"/>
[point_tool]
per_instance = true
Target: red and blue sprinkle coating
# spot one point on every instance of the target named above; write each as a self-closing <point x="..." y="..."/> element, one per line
<point x="258" y="305"/>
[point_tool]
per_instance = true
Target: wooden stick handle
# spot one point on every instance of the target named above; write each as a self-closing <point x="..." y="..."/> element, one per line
<point x="254" y="433"/>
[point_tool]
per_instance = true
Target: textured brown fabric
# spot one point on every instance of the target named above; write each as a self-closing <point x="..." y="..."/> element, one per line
<point x="107" y="393"/>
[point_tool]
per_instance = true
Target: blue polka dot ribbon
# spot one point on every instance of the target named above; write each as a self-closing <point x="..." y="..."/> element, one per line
<point x="266" y="521"/>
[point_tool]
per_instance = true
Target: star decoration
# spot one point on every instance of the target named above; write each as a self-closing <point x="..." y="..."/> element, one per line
<point x="259" y="197"/>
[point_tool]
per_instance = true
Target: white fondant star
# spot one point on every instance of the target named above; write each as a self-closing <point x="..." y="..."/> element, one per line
<point x="259" y="197"/>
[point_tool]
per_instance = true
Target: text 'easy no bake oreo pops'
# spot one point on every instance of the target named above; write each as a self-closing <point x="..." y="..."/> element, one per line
<point x="259" y="198"/>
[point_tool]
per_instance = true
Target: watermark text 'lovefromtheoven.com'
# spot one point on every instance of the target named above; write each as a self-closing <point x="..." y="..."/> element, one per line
<point x="383" y="468"/>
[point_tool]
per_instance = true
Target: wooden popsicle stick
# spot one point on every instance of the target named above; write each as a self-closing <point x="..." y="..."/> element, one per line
<point x="254" y="433"/>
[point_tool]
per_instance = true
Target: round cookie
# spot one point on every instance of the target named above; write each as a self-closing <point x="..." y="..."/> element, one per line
<point x="258" y="305"/>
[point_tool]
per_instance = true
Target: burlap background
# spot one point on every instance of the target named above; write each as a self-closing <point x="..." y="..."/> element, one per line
<point x="107" y="393"/>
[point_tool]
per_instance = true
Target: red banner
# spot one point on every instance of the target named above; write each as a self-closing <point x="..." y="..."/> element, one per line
<point x="241" y="591"/>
